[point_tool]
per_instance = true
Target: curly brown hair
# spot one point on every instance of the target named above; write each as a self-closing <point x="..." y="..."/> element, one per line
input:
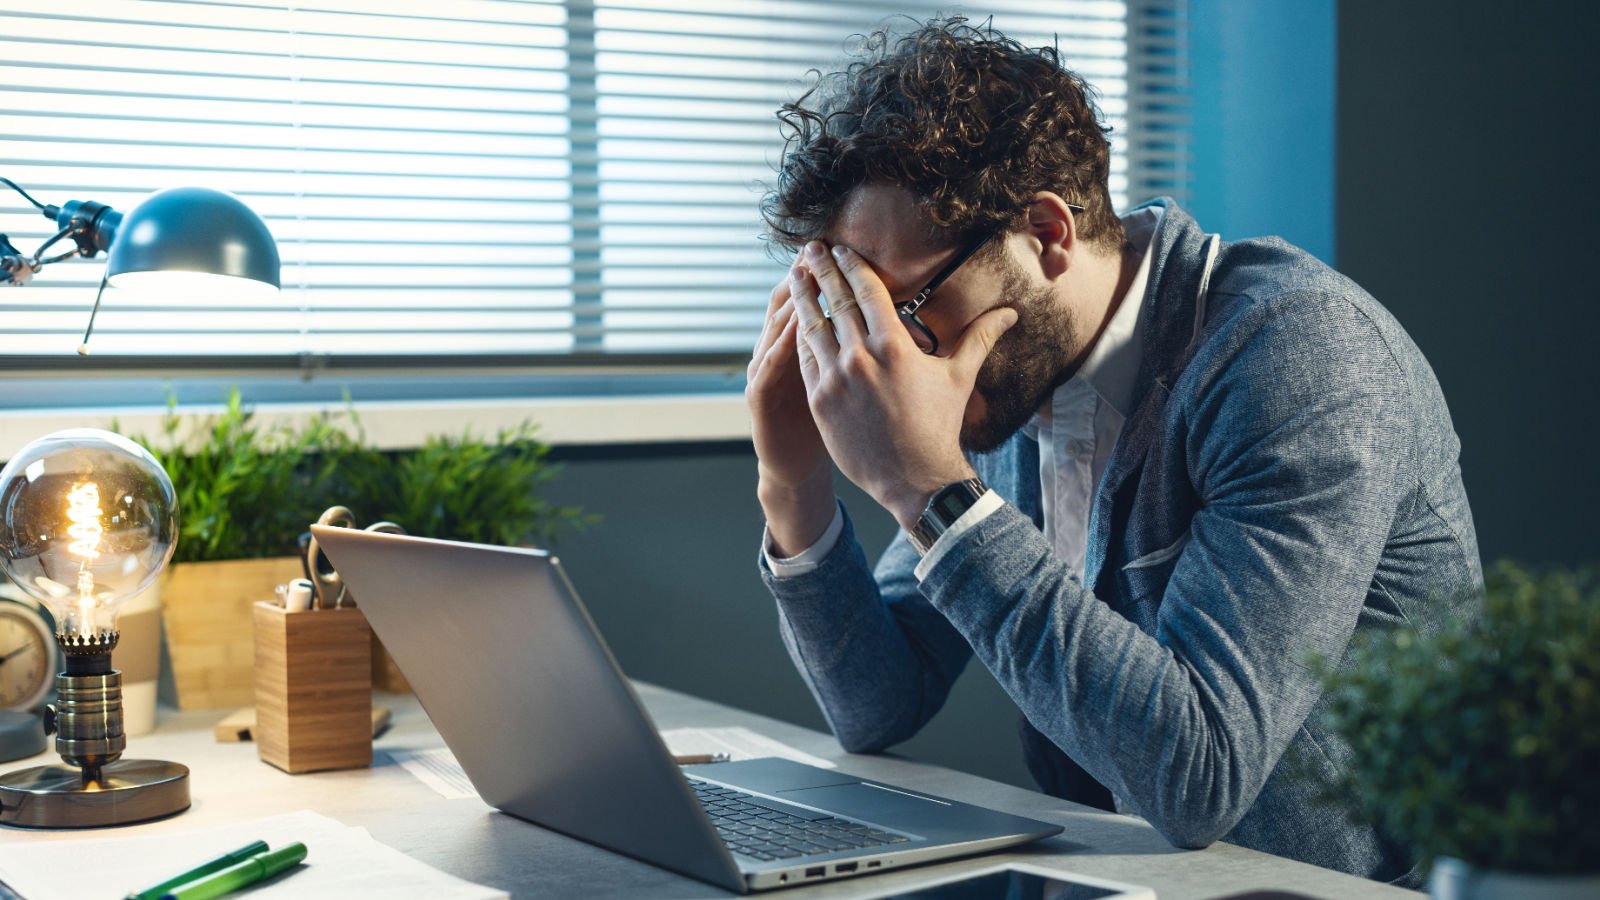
<point x="971" y="122"/>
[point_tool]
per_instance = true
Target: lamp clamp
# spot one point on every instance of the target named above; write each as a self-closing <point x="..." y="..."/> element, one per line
<point x="90" y="224"/>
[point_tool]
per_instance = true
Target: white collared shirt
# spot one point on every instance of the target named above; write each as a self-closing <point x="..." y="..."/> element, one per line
<point x="1076" y="431"/>
<point x="1079" y="428"/>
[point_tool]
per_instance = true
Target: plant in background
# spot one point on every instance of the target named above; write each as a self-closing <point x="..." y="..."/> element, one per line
<point x="247" y="490"/>
<point x="471" y="489"/>
<point x="1480" y="741"/>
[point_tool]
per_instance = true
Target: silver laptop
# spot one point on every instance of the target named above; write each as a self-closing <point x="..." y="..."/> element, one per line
<point x="510" y="668"/>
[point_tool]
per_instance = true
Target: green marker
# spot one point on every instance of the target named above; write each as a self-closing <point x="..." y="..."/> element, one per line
<point x="257" y="868"/>
<point x="200" y="871"/>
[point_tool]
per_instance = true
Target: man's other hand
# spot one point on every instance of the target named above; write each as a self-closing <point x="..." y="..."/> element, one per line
<point x="889" y="415"/>
<point x="796" y="476"/>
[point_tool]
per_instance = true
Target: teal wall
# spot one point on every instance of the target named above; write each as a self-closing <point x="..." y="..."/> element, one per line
<point x="1263" y="89"/>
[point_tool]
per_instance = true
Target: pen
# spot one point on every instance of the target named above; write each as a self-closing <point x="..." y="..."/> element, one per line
<point x="256" y="868"/>
<point x="202" y="870"/>
<point x="695" y="759"/>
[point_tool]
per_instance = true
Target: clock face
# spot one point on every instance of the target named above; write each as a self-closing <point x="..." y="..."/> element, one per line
<point x="27" y="657"/>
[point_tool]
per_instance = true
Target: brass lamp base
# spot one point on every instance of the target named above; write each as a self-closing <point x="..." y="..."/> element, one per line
<point x="128" y="790"/>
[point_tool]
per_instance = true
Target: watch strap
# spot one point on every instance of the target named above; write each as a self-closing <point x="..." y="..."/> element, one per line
<point x="947" y="504"/>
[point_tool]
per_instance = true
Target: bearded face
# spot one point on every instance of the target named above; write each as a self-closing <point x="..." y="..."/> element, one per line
<point x="1028" y="362"/>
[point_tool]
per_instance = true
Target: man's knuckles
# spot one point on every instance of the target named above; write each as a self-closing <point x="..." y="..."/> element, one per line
<point x="811" y="328"/>
<point x="858" y="362"/>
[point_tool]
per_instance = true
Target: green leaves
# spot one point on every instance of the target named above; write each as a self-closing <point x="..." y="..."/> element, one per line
<point x="468" y="489"/>
<point x="1480" y="739"/>
<point x="246" y="490"/>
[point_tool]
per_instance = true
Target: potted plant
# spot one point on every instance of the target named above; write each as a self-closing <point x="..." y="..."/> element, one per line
<point x="467" y="488"/>
<point x="1476" y="743"/>
<point x="246" y="491"/>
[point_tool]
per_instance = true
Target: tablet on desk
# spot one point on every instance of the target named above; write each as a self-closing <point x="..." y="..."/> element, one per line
<point x="1021" y="881"/>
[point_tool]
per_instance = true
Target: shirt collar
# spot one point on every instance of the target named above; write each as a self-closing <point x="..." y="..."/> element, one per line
<point x="1112" y="367"/>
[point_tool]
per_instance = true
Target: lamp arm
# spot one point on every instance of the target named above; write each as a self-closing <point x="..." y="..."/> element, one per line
<point x="15" y="269"/>
<point x="91" y="225"/>
<point x="65" y="232"/>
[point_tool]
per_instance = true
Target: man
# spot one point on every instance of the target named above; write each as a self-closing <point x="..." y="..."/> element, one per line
<point x="1144" y="475"/>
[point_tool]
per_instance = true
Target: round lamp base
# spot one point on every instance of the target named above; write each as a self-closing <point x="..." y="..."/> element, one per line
<point x="129" y="790"/>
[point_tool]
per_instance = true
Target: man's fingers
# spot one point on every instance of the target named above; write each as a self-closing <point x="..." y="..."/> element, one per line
<point x="979" y="339"/>
<point x="816" y="332"/>
<point x="771" y="352"/>
<point x="769" y="326"/>
<point x="870" y="296"/>
<point x="804" y="357"/>
<point x="779" y="297"/>
<point x="842" y="300"/>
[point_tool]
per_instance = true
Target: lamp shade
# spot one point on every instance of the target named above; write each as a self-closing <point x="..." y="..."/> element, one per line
<point x="189" y="236"/>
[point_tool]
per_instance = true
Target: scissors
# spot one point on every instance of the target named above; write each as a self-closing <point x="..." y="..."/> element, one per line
<point x="319" y="570"/>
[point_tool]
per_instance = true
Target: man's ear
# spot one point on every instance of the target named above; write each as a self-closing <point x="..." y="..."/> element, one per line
<point x="1054" y="232"/>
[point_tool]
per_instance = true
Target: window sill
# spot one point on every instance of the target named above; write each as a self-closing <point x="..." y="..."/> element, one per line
<point x="402" y="424"/>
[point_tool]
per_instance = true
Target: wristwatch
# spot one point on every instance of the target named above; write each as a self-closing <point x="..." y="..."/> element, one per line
<point x="946" y="505"/>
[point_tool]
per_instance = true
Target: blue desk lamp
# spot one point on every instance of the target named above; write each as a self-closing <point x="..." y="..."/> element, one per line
<point x="183" y="240"/>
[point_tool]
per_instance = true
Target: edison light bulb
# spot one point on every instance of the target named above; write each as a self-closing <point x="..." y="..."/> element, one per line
<point x="88" y="519"/>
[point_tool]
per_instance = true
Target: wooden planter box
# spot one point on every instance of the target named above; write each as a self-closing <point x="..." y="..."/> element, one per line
<point x="206" y="612"/>
<point x="206" y="609"/>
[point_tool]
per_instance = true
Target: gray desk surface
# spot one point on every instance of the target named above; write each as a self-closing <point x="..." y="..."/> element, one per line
<point x="470" y="840"/>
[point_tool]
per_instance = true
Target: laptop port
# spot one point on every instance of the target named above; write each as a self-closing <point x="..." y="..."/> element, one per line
<point x="873" y="864"/>
<point x="816" y="871"/>
<point x="842" y="868"/>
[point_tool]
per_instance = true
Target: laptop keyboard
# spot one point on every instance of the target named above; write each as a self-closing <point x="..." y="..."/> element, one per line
<point x="765" y="832"/>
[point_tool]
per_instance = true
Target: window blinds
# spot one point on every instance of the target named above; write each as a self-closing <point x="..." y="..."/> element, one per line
<point x="1159" y="100"/>
<point x="496" y="182"/>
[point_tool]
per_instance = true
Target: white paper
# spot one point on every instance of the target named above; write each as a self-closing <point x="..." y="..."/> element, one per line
<point x="437" y="768"/>
<point x="341" y="862"/>
<point x="738" y="743"/>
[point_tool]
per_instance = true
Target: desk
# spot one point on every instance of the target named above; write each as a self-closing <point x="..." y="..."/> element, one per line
<point x="468" y="839"/>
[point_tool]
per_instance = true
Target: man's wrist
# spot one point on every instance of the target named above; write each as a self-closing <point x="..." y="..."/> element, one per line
<point x="809" y="559"/>
<point x="946" y="507"/>
<point x="797" y="514"/>
<point x="914" y="500"/>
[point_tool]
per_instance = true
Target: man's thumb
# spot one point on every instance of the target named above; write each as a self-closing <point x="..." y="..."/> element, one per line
<point x="981" y="335"/>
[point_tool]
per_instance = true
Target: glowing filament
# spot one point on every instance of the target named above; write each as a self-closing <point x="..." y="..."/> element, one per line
<point x="83" y="508"/>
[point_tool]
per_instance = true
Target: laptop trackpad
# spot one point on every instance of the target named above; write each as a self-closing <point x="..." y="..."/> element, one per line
<point x="863" y="800"/>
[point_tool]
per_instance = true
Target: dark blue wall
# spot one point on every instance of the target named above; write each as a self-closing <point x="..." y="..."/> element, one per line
<point x="1466" y="198"/>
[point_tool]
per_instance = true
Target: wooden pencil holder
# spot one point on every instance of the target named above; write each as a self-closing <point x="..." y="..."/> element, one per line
<point x="313" y="688"/>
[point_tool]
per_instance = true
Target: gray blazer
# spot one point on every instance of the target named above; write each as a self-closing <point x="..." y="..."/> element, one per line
<point x="1288" y="477"/>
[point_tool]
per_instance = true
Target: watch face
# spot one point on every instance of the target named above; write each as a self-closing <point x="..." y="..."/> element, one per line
<point x="27" y="658"/>
<point x="953" y="500"/>
<point x="952" y="504"/>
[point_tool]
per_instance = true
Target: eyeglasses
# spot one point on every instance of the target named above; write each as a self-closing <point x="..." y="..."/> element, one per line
<point x="926" y="340"/>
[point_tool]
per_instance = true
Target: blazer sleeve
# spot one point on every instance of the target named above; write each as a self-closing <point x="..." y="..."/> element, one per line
<point x="877" y="656"/>
<point x="1298" y="449"/>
